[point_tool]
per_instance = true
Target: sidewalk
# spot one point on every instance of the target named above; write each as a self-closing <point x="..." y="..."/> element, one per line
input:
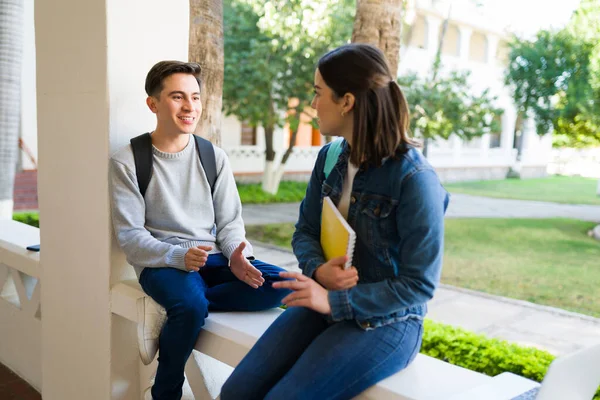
<point x="552" y="329"/>
<point x="461" y="206"/>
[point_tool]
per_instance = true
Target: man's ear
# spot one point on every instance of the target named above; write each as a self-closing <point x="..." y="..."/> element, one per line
<point x="348" y="102"/>
<point x="151" y="103"/>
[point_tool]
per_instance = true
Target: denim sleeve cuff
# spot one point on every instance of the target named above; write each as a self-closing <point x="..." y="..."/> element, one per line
<point x="311" y="266"/>
<point x="339" y="301"/>
<point x="177" y="257"/>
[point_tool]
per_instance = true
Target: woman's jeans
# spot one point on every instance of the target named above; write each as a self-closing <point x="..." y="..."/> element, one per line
<point x="302" y="356"/>
<point x="187" y="298"/>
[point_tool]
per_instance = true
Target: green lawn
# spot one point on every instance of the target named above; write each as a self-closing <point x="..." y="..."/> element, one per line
<point x="558" y="189"/>
<point x="289" y="192"/>
<point x="544" y="261"/>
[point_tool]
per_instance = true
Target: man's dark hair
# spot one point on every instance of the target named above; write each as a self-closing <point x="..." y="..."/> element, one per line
<point x="381" y="115"/>
<point x="163" y="69"/>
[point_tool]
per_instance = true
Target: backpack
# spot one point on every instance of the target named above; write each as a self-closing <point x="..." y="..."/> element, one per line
<point x="142" y="154"/>
<point x="333" y="154"/>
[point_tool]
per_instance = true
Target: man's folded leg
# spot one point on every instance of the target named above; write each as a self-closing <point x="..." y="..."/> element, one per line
<point x="227" y="293"/>
<point x="182" y="294"/>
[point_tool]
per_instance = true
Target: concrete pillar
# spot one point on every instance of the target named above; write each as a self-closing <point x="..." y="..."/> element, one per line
<point x="465" y="42"/>
<point x="92" y="58"/>
<point x="28" y="83"/>
<point x="491" y="48"/>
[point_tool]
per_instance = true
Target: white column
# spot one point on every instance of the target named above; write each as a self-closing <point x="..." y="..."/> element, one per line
<point x="432" y="39"/>
<point x="28" y="91"/>
<point x="465" y="42"/>
<point x="92" y="59"/>
<point x="491" y="48"/>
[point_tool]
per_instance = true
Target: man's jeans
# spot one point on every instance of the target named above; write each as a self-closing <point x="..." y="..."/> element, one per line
<point x="187" y="297"/>
<point x="302" y="356"/>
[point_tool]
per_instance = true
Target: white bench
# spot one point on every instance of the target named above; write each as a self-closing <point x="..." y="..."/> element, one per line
<point x="228" y="336"/>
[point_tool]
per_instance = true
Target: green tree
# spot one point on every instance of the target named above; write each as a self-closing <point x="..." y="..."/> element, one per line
<point x="442" y="106"/>
<point x="271" y="49"/>
<point x="554" y="78"/>
<point x="447" y="106"/>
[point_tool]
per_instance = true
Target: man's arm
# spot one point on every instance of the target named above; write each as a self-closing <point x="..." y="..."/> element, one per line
<point x="128" y="216"/>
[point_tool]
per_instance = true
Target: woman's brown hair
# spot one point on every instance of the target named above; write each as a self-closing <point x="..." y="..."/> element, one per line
<point x="381" y="116"/>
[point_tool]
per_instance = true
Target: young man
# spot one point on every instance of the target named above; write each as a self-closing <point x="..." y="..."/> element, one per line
<point x="167" y="232"/>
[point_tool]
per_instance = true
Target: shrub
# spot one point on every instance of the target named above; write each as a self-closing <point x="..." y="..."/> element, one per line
<point x="482" y="354"/>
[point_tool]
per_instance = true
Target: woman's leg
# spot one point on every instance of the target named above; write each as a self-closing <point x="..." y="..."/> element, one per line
<point x="345" y="360"/>
<point x="274" y="354"/>
<point x="182" y="295"/>
<point x="228" y="293"/>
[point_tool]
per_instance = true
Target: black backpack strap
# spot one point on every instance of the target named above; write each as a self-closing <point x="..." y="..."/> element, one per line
<point x="142" y="155"/>
<point x="207" y="158"/>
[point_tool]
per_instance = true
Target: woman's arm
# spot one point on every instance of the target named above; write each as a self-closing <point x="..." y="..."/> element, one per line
<point x="420" y="226"/>
<point x="306" y="240"/>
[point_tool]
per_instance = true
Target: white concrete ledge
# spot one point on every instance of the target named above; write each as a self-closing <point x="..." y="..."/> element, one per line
<point x="228" y="336"/>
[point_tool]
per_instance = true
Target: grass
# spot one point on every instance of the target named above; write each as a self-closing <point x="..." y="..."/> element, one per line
<point x="557" y="189"/>
<point x="29" y="218"/>
<point x="289" y="192"/>
<point x="545" y="261"/>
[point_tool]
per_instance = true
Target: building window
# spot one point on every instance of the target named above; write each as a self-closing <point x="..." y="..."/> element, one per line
<point x="477" y="47"/>
<point x="496" y="137"/>
<point x="502" y="52"/>
<point x="451" y="40"/>
<point x="248" y="135"/>
<point x="415" y="34"/>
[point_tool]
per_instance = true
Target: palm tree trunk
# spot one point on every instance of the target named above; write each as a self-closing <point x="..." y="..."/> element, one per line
<point x="379" y="22"/>
<point x="11" y="55"/>
<point x="206" y="47"/>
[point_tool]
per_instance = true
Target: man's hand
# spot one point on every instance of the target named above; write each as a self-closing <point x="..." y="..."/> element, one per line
<point x="306" y="293"/>
<point x="196" y="257"/>
<point x="243" y="270"/>
<point x="333" y="276"/>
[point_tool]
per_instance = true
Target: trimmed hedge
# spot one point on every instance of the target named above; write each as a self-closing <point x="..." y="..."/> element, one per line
<point x="29" y="218"/>
<point x="482" y="354"/>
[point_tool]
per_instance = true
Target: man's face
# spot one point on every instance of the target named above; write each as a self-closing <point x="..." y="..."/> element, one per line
<point x="178" y="107"/>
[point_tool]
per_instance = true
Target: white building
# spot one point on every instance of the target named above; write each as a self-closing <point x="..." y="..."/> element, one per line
<point x="472" y="42"/>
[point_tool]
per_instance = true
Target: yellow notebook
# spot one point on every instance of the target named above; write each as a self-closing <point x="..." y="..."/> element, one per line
<point x="337" y="237"/>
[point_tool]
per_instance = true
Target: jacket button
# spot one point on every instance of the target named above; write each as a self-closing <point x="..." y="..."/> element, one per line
<point x="353" y="200"/>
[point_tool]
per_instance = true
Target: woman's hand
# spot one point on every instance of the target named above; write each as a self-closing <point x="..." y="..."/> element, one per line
<point x="333" y="276"/>
<point x="306" y="293"/>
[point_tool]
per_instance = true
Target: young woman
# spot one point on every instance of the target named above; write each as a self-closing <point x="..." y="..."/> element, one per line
<point x="347" y="329"/>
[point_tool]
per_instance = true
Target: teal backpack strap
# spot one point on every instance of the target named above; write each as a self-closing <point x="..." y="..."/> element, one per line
<point x="333" y="153"/>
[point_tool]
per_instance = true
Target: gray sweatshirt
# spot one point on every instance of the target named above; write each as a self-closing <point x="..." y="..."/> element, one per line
<point x="177" y="212"/>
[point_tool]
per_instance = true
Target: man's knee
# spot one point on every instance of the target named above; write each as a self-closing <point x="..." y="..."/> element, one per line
<point x="191" y="312"/>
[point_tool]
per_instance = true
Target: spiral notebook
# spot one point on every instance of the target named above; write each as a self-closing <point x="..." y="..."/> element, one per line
<point x="337" y="237"/>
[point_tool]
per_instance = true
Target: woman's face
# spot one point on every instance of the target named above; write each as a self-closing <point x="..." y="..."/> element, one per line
<point x="329" y="111"/>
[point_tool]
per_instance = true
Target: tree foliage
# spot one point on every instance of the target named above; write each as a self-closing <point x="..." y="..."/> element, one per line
<point x="554" y="78"/>
<point x="271" y="49"/>
<point x="448" y="106"/>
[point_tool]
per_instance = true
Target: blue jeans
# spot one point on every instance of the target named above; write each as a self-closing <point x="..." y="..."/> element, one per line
<point x="302" y="356"/>
<point x="187" y="298"/>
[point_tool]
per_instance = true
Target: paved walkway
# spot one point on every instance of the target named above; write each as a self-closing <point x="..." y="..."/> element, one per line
<point x="548" y="328"/>
<point x="461" y="205"/>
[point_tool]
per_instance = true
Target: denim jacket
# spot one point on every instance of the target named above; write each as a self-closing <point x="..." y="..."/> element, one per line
<point x="397" y="211"/>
